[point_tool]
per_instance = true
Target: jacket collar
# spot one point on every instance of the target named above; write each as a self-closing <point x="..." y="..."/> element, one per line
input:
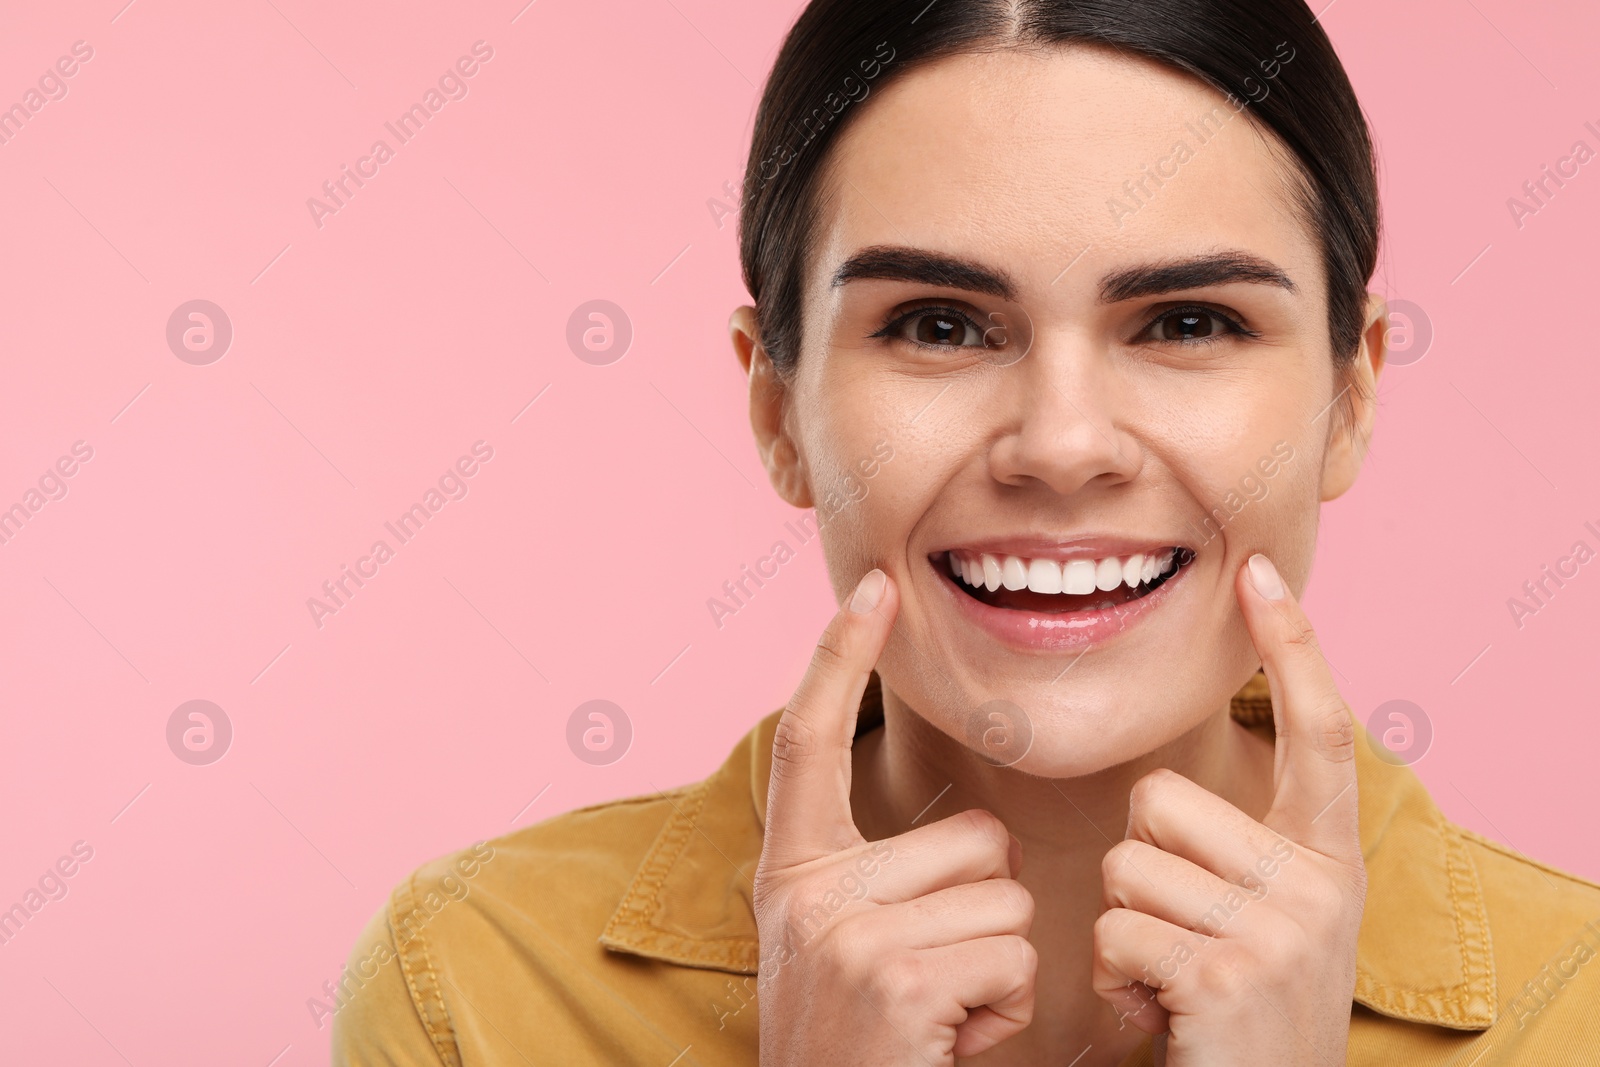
<point x="1423" y="954"/>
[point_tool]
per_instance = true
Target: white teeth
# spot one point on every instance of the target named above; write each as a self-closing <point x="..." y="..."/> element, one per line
<point x="1044" y="576"/>
<point x="991" y="572"/>
<point x="1077" y="576"/>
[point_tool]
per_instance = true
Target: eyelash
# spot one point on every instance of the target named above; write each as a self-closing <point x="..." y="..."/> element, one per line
<point x="890" y="328"/>
<point x="1234" y="328"/>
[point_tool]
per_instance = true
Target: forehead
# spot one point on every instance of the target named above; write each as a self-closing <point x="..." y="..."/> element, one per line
<point x="1027" y="158"/>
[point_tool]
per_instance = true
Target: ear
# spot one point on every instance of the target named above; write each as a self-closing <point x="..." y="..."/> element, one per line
<point x="1349" y="436"/>
<point x="785" y="468"/>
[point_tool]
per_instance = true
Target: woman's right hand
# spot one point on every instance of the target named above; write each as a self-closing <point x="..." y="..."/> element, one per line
<point x="912" y="950"/>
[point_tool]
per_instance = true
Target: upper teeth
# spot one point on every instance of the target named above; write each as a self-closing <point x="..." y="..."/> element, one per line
<point x="1077" y="576"/>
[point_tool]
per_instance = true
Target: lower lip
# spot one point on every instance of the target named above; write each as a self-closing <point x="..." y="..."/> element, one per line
<point x="1057" y="632"/>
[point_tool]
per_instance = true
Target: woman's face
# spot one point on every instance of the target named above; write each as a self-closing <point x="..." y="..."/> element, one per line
<point x="1061" y="313"/>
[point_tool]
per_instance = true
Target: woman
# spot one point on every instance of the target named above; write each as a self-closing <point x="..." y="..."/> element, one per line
<point x="1061" y="322"/>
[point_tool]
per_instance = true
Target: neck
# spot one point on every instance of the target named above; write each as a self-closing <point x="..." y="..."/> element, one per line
<point x="910" y="773"/>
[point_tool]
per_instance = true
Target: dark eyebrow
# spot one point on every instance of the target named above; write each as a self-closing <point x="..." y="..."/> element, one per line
<point x="893" y="263"/>
<point x="1196" y="272"/>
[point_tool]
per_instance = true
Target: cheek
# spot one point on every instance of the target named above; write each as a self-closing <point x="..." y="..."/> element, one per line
<point x="1287" y="530"/>
<point x="1240" y="510"/>
<point x="878" y="455"/>
<point x="1234" y="446"/>
<point x="867" y="506"/>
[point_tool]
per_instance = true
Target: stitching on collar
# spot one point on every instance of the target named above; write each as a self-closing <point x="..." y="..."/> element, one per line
<point x="632" y="926"/>
<point x="1470" y="1004"/>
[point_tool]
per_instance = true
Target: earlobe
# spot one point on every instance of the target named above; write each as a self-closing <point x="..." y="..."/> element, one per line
<point x="1352" y="416"/>
<point x="780" y="456"/>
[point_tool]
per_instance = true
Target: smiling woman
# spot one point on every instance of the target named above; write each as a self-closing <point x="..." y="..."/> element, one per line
<point x="1051" y="645"/>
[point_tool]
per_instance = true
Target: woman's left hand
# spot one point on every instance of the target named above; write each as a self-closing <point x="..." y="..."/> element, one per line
<point x="1235" y="938"/>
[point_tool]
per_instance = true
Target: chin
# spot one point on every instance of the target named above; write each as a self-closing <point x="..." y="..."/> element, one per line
<point x="1074" y="732"/>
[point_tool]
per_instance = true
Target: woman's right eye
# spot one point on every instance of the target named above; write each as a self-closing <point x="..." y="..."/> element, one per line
<point x="937" y="328"/>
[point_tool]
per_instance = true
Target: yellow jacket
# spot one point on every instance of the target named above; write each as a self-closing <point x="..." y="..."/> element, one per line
<point x="623" y="933"/>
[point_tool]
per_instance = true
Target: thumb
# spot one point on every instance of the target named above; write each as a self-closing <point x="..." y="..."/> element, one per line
<point x="808" y="798"/>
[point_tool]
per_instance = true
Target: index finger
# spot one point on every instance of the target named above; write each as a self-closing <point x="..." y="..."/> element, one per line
<point x="808" y="798"/>
<point x="1314" y="770"/>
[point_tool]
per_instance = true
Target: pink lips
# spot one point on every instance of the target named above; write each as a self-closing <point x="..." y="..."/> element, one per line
<point x="1063" y="631"/>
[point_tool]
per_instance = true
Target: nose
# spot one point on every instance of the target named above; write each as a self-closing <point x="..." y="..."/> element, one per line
<point x="1066" y="427"/>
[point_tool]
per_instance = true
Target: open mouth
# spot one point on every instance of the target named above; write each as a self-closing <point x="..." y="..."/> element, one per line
<point x="1054" y="587"/>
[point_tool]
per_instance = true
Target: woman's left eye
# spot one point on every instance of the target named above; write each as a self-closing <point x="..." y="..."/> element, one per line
<point x="1193" y="325"/>
<point x="936" y="328"/>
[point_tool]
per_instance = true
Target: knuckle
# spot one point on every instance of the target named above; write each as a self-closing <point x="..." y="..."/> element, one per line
<point x="1284" y="951"/>
<point x="1109" y="928"/>
<point x="1324" y="900"/>
<point x="987" y="827"/>
<point x="1028" y="955"/>
<point x="1014" y="899"/>
<point x="1027" y="959"/>
<point x="833" y="647"/>
<point x="794" y="742"/>
<point x="899" y="979"/>
<point x="1336" y="730"/>
<point x="850" y="952"/>
<point x="1226" y="973"/>
<point x="1153" y="787"/>
<point x="1300" y="636"/>
<point x="1119" y="859"/>
<point x="805" y="909"/>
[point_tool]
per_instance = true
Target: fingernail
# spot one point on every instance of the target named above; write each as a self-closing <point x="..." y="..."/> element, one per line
<point x="1015" y="855"/>
<point x="869" y="591"/>
<point x="1264" y="576"/>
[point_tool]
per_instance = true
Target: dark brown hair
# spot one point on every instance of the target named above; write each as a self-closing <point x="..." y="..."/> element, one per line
<point x="841" y="50"/>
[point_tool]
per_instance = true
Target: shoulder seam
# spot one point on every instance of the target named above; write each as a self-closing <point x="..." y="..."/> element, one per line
<point x="1511" y="853"/>
<point x="443" y="1036"/>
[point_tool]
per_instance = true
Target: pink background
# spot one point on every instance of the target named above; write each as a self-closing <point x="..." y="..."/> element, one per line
<point x="369" y="353"/>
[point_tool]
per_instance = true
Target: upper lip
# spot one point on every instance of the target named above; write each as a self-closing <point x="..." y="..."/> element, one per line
<point x="1061" y="549"/>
